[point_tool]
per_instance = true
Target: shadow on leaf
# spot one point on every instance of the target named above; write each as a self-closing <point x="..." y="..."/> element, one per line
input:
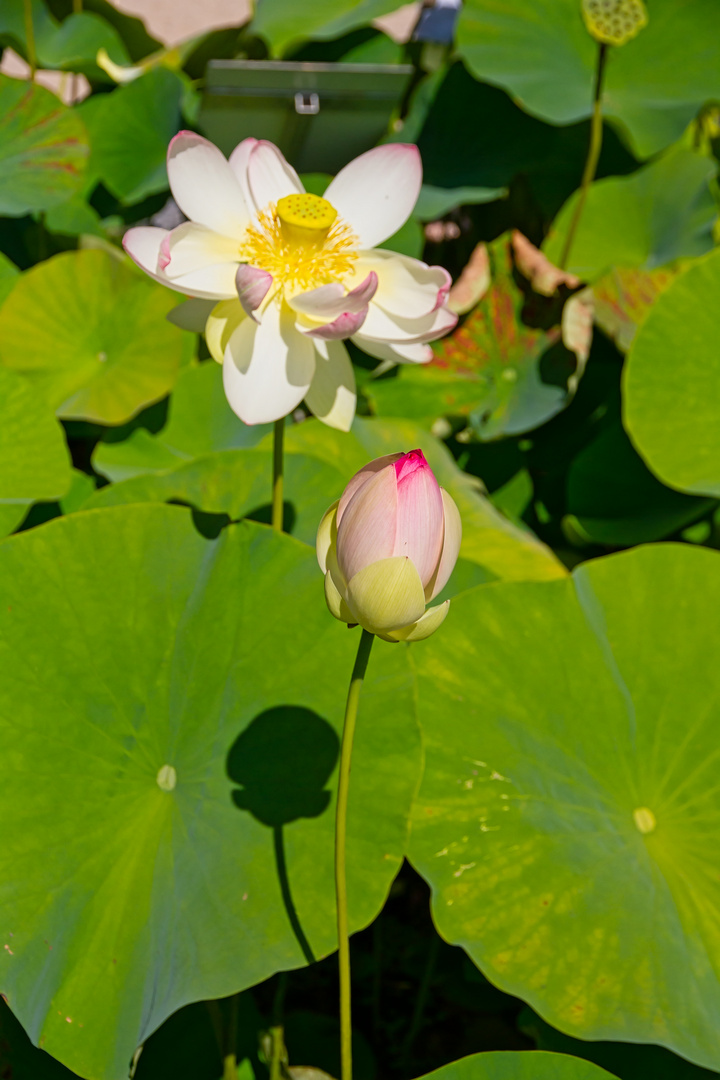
<point x="283" y="760"/>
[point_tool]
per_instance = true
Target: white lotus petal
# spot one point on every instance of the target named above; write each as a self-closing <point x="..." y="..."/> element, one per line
<point x="267" y="368"/>
<point x="222" y="322"/>
<point x="394" y="354"/>
<point x="204" y="186"/>
<point x="406" y="287"/>
<point x="192" y="247"/>
<point x="381" y="326"/>
<point x="269" y="176"/>
<point x="332" y="396"/>
<point x="239" y="161"/>
<point x="375" y="194"/>
<point x="143" y="245"/>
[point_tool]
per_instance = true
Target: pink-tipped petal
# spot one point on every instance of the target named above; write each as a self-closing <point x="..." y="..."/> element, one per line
<point x="252" y="287"/>
<point x="361" y="478"/>
<point x="204" y="186"/>
<point x="332" y="396"/>
<point x="164" y="257"/>
<point x="450" y="549"/>
<point x="143" y="244"/>
<point x="267" y="368"/>
<point x="328" y="301"/>
<point x="368" y="525"/>
<point x="375" y="194"/>
<point x="269" y="175"/>
<point x="419" y="514"/>
<point x="343" y="327"/>
<point x="444" y="290"/>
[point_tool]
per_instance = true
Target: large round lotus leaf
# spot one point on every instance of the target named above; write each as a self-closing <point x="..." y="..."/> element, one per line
<point x="43" y="148"/>
<point x="662" y="212"/>
<point x="284" y="22"/>
<point x="34" y="459"/>
<point x="568" y="816"/>
<point x="519" y="1065"/>
<point x="200" y="421"/>
<point x="613" y="498"/>
<point x="129" y="133"/>
<point x="170" y="710"/>
<point x="671" y="380"/>
<point x="541" y="53"/>
<point x="628" y="1061"/>
<point x="91" y="334"/>
<point x="9" y="274"/>
<point x="319" y="462"/>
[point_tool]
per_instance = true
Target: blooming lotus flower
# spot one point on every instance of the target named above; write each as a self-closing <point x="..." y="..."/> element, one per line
<point x="292" y="275"/>
<point x="388" y="546"/>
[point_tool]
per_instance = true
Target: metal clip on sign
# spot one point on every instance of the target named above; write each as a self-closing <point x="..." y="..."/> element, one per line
<point x="320" y="115"/>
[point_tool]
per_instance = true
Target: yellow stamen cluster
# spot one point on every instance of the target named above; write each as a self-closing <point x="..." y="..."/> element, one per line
<point x="300" y="256"/>
<point x="614" y="22"/>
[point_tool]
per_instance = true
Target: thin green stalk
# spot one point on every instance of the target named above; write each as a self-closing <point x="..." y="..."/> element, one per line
<point x="351" y="708"/>
<point x="277" y="491"/>
<point x="596" y="133"/>
<point x="30" y="37"/>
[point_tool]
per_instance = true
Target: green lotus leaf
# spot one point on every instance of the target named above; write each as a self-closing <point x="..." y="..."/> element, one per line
<point x="282" y="23"/>
<point x="34" y="459"/>
<point x="670" y="392"/>
<point x="541" y="53"/>
<point x="130" y="129"/>
<point x="91" y="335"/>
<point x="200" y="421"/>
<point x="9" y="274"/>
<point x="664" y="211"/>
<point x="613" y="498"/>
<point x="216" y="476"/>
<point x="519" y="1065"/>
<point x="43" y="148"/>
<point x="170" y="736"/>
<point x="567" y="816"/>
<point x="623" y="297"/>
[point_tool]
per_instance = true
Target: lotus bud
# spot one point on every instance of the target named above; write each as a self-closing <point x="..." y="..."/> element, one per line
<point x="388" y="546"/>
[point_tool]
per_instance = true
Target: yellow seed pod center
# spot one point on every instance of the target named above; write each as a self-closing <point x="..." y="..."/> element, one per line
<point x="306" y="216"/>
<point x="614" y="22"/>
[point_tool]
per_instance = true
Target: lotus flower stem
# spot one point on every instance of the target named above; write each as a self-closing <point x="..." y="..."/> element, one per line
<point x="30" y="38"/>
<point x="596" y="134"/>
<point x="351" y="708"/>
<point x="277" y="492"/>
